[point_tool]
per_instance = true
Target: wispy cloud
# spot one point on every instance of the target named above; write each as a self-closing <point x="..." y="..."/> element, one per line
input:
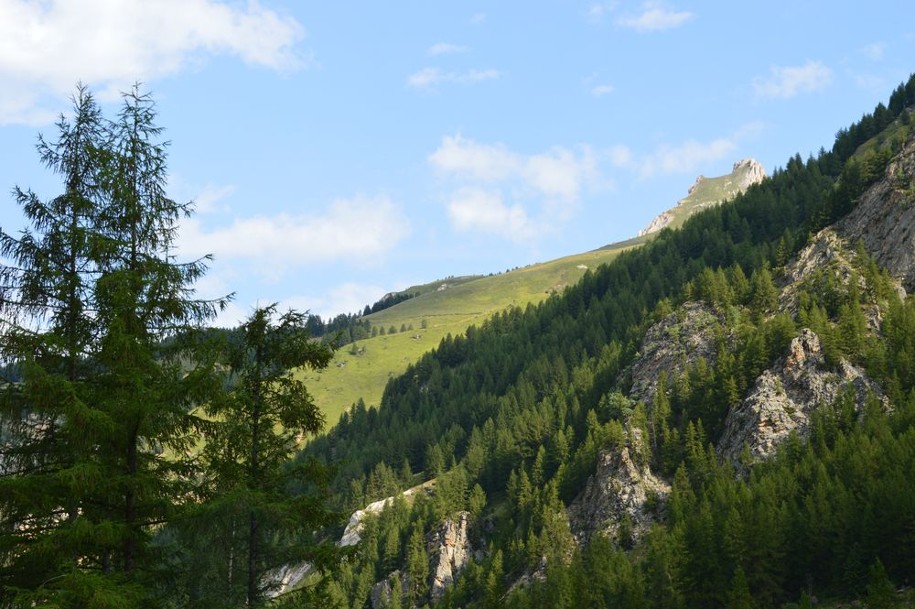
<point x="278" y="244"/>
<point x="477" y="18"/>
<point x="874" y="51"/>
<point x="602" y="90"/>
<point x="46" y="47"/>
<point x="516" y="196"/>
<point x="597" y="10"/>
<point x="655" y="17"/>
<point x="445" y="48"/>
<point x="684" y="158"/>
<point x="429" y="78"/>
<point x="785" y="82"/>
<point x="207" y="201"/>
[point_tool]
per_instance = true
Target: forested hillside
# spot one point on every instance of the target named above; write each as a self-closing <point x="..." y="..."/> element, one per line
<point x="511" y="419"/>
<point x="721" y="418"/>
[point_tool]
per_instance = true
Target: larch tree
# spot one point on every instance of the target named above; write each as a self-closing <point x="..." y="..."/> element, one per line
<point x="97" y="313"/>
<point x="268" y="504"/>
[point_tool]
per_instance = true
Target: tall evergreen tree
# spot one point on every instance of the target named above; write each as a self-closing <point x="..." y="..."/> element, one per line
<point x="98" y="312"/>
<point x="247" y="456"/>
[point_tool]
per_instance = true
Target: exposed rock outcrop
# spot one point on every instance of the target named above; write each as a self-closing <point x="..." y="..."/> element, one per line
<point x="382" y="594"/>
<point x="783" y="398"/>
<point x="884" y="218"/>
<point x="828" y="253"/>
<point x="621" y="495"/>
<point x="449" y="552"/>
<point x="352" y="534"/>
<point x="673" y="344"/>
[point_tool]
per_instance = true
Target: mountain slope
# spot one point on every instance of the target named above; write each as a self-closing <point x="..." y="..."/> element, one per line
<point x="450" y="306"/>
<point x="514" y="418"/>
<point x="707" y="192"/>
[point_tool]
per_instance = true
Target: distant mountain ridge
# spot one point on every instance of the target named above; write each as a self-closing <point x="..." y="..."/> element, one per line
<point x="707" y="192"/>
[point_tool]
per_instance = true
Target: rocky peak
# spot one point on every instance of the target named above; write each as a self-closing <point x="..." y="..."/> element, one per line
<point x="784" y="396"/>
<point x="747" y="172"/>
<point x="707" y="192"/>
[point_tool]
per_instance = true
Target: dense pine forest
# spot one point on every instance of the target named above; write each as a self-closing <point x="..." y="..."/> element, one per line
<point x="146" y="461"/>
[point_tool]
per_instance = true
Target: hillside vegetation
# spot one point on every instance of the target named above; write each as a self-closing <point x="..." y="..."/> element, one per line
<point x="530" y="420"/>
<point x="450" y="306"/>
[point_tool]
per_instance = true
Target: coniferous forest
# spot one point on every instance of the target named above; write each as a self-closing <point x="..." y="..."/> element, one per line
<point x="149" y="461"/>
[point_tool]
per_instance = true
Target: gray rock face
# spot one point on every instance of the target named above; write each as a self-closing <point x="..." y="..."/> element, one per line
<point x="449" y="552"/>
<point x="671" y="345"/>
<point x="382" y="594"/>
<point x="783" y="398"/>
<point x="884" y="218"/>
<point x="621" y="491"/>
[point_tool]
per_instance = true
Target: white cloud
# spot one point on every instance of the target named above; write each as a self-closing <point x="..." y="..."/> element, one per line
<point x="557" y="174"/>
<point x="495" y="189"/>
<point x="477" y="18"/>
<point x="688" y="157"/>
<point x="428" y="78"/>
<point x="46" y="47"/>
<point x="358" y="230"/>
<point x="348" y="297"/>
<point x="655" y="18"/>
<point x="788" y="81"/>
<point x="560" y="174"/>
<point x="477" y="209"/>
<point x="601" y="90"/>
<point x="444" y="48"/>
<point x="487" y="162"/>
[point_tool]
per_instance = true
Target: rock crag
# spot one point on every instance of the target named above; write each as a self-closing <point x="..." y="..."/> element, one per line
<point x="884" y="218"/>
<point x="784" y="396"/>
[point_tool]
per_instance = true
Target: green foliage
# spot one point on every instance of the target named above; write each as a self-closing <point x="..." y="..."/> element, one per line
<point x="97" y="313"/>
<point x="245" y="459"/>
<point x="522" y="406"/>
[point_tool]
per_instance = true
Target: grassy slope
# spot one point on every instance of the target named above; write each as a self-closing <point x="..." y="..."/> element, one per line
<point x="465" y="301"/>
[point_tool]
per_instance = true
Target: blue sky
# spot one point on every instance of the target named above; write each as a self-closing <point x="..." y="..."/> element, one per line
<point x="341" y="150"/>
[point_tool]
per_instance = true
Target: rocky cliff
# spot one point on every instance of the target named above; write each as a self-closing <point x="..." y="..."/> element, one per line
<point x="671" y="345"/>
<point x="884" y="218"/>
<point x="621" y="499"/>
<point x="449" y="550"/>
